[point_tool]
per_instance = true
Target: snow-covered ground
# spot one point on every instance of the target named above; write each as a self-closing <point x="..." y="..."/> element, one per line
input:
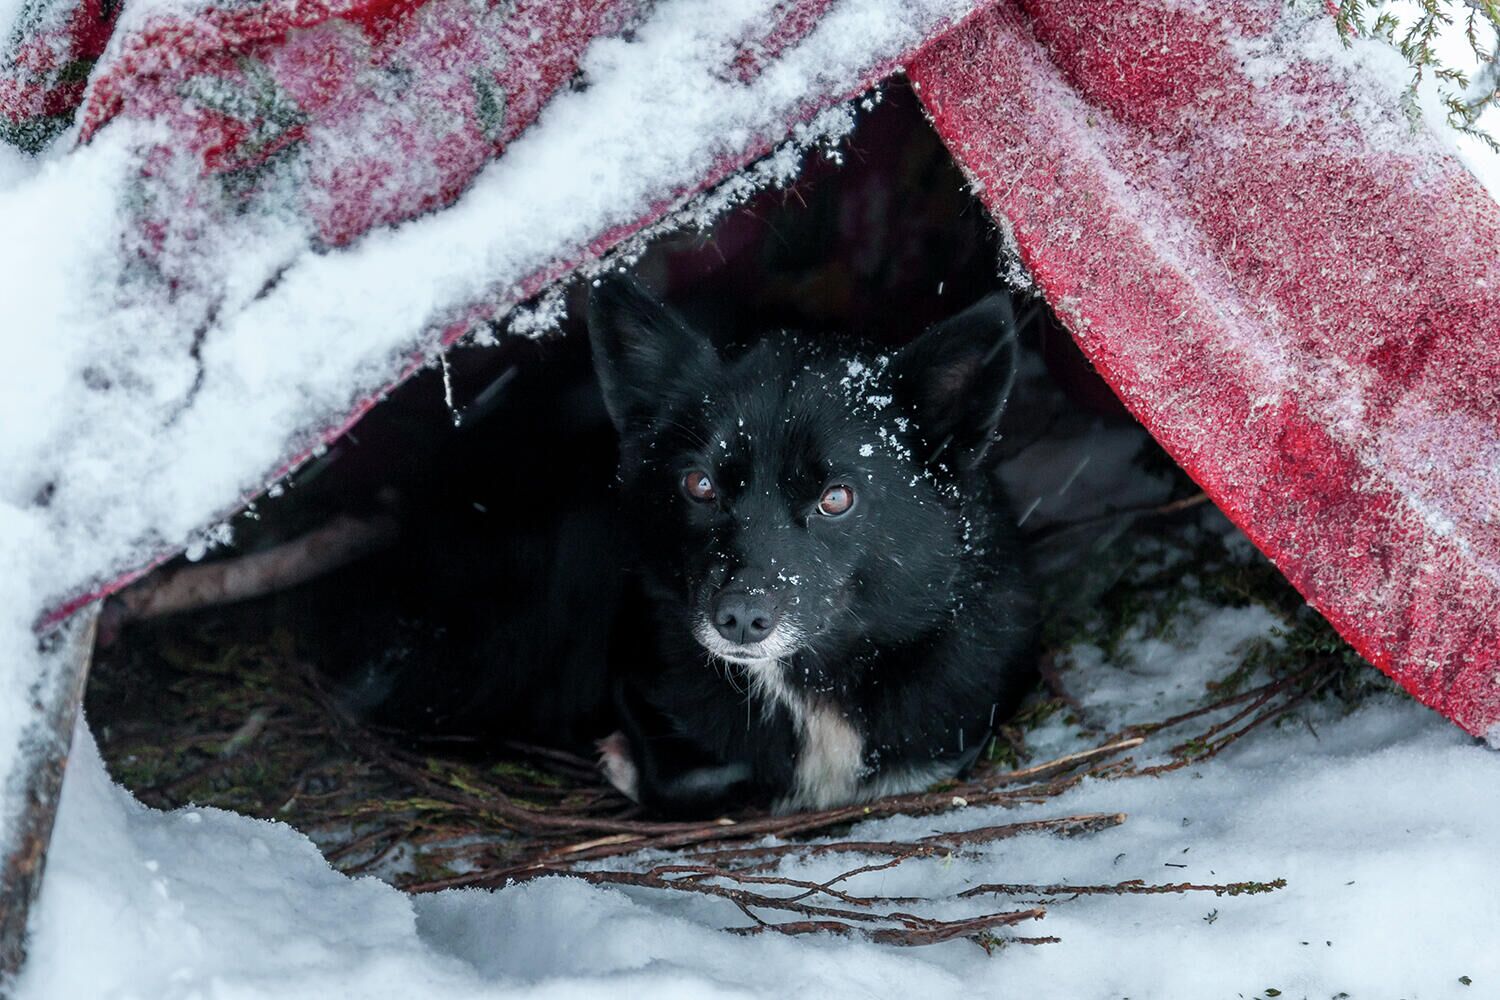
<point x="1381" y="821"/>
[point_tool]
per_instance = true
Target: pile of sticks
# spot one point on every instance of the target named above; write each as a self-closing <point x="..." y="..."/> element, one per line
<point x="569" y="824"/>
<point x="436" y="817"/>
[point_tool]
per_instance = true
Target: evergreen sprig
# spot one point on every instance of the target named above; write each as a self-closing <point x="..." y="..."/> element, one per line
<point x="1415" y="36"/>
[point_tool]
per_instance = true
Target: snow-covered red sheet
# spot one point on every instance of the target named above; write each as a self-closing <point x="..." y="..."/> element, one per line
<point x="176" y="335"/>
<point x="1289" y="282"/>
<point x="293" y="128"/>
<point x="1291" y="285"/>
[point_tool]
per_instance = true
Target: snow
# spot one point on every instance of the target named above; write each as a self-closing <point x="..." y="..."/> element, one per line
<point x="1382" y="822"/>
<point x="14" y="164"/>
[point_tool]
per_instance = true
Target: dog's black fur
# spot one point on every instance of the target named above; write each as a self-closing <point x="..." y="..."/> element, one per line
<point x="779" y="653"/>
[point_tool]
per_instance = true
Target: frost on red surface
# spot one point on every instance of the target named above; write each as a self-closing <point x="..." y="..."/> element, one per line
<point x="392" y="105"/>
<point x="395" y="104"/>
<point x="1289" y="285"/>
<point x="45" y="60"/>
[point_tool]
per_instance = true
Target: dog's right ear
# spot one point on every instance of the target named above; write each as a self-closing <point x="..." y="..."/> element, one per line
<point x="643" y="352"/>
<point x="957" y="379"/>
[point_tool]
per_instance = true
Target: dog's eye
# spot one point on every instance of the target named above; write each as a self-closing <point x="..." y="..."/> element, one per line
<point x="698" y="486"/>
<point x="836" y="500"/>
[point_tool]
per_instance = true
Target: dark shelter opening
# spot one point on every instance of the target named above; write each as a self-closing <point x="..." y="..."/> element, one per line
<point x="455" y="658"/>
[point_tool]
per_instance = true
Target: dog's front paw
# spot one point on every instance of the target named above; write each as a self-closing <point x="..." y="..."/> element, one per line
<point x="618" y="765"/>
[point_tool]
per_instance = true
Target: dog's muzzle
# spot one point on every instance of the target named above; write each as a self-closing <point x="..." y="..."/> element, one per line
<point x="781" y="641"/>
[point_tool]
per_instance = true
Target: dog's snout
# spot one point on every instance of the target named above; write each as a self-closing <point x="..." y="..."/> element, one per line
<point x="742" y="617"/>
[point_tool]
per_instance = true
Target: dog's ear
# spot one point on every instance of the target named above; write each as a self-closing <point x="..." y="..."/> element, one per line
<point x="643" y="352"/>
<point x="957" y="378"/>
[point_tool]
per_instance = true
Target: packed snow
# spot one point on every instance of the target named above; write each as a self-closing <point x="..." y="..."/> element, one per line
<point x="1382" y="821"/>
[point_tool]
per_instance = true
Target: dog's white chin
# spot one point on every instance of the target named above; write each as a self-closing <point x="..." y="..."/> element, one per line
<point x="742" y="659"/>
<point x="780" y="644"/>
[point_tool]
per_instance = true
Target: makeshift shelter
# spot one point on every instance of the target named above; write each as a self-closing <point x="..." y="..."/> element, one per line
<point x="1280" y="275"/>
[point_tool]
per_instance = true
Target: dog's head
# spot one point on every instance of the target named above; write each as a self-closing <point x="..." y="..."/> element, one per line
<point x="794" y="498"/>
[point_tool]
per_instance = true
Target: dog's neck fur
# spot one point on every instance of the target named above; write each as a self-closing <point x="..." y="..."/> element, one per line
<point x="833" y="764"/>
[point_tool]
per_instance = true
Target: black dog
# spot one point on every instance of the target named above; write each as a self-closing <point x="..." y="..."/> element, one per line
<point x="833" y="605"/>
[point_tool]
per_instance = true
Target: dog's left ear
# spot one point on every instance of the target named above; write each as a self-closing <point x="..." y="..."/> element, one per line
<point x="644" y="353"/>
<point x="957" y="378"/>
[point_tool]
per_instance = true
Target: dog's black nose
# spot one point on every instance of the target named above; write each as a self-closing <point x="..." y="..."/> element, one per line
<point x="742" y="617"/>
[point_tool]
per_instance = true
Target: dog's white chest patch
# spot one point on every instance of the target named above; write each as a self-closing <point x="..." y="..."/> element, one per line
<point x="830" y="756"/>
<point x="831" y="766"/>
